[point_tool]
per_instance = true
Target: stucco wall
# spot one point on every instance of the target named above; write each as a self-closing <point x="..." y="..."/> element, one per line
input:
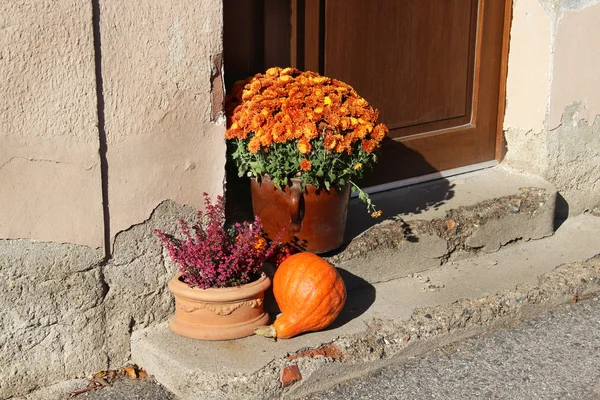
<point x="66" y="309"/>
<point x="553" y="96"/>
<point x="49" y="164"/>
<point x="157" y="63"/>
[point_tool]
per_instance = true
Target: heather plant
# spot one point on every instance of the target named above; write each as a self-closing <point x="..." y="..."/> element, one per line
<point x="212" y="256"/>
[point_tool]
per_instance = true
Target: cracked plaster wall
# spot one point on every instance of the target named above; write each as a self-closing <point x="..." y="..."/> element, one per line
<point x="158" y="62"/>
<point x="65" y="309"/>
<point x="553" y="96"/>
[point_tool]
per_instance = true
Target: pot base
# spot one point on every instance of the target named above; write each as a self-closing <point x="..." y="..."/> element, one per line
<point x="208" y="332"/>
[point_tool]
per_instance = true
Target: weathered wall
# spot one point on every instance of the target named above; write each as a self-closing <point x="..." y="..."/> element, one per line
<point x="52" y="315"/>
<point x="66" y="310"/>
<point x="157" y="62"/>
<point x="553" y="96"/>
<point x="50" y="186"/>
<point x="66" y="314"/>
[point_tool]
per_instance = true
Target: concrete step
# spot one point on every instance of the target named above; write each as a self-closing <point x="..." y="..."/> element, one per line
<point x="410" y="290"/>
<point x="434" y="222"/>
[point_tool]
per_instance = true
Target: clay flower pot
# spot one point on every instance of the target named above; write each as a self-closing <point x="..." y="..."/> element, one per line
<point x="314" y="218"/>
<point x="218" y="313"/>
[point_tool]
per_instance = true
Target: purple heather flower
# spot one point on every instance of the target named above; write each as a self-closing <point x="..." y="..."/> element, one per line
<point x="211" y="256"/>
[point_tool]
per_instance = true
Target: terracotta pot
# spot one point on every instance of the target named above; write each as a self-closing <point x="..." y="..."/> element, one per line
<point x="218" y="313"/>
<point x="316" y="218"/>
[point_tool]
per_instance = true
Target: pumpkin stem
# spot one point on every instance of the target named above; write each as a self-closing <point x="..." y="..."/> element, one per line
<point x="266" y="331"/>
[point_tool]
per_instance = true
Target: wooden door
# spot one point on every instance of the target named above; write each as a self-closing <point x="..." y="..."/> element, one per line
<point x="432" y="68"/>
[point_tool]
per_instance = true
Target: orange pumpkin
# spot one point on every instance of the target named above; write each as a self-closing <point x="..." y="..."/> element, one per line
<point x="310" y="293"/>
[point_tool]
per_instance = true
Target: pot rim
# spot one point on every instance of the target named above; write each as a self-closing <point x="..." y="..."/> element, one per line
<point x="299" y="181"/>
<point x="235" y="293"/>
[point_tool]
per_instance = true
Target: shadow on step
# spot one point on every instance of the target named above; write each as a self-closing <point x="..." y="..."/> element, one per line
<point x="397" y="162"/>
<point x="413" y="199"/>
<point x="561" y="211"/>
<point x="360" y="297"/>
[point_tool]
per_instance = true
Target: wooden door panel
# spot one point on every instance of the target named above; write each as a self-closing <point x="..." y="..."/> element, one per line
<point x="442" y="145"/>
<point x="409" y="59"/>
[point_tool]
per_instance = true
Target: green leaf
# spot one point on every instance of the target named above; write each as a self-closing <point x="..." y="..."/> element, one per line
<point x="257" y="166"/>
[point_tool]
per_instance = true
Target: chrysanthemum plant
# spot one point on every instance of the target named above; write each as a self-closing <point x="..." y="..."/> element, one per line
<point x="292" y="124"/>
<point x="209" y="255"/>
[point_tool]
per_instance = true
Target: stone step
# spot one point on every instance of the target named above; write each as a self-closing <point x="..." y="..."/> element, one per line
<point x="409" y="281"/>
<point x="436" y="221"/>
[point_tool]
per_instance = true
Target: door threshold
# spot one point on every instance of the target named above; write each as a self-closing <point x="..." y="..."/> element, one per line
<point x="426" y="178"/>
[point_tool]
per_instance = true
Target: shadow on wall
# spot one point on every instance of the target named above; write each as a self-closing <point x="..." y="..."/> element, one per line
<point x="238" y="201"/>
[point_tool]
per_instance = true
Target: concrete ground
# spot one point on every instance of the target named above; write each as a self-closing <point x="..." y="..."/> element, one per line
<point x="131" y="390"/>
<point x="554" y="356"/>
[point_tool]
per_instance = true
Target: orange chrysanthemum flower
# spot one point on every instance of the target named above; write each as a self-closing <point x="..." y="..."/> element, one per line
<point x="310" y="131"/>
<point x="369" y="145"/>
<point x="340" y="147"/>
<point x="257" y="121"/>
<point x="333" y="118"/>
<point x="260" y="244"/>
<point x="362" y="131"/>
<point x="266" y="139"/>
<point x="379" y="132"/>
<point x="288" y="71"/>
<point x="272" y="72"/>
<point x="305" y="165"/>
<point x="376" y="214"/>
<point x="311" y="101"/>
<point x="269" y="94"/>
<point x="277" y="131"/>
<point x="330" y="142"/>
<point x="254" y="145"/>
<point x="304" y="146"/>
